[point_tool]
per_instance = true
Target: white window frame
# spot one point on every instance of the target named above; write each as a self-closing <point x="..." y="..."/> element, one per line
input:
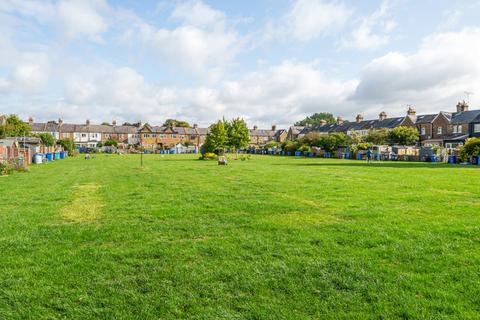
<point x="423" y="131"/>
<point x="440" y="130"/>
<point x="476" y="128"/>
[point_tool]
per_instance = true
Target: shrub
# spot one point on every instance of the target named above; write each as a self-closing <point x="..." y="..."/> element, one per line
<point x="111" y="143"/>
<point x="406" y="136"/>
<point x="5" y="168"/>
<point x="208" y="156"/>
<point x="470" y="149"/>
<point x="68" y="145"/>
<point x="304" y="148"/>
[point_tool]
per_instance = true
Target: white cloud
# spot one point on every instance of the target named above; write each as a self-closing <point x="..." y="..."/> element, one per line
<point x="373" y="31"/>
<point x="198" y="14"/>
<point x="202" y="45"/>
<point x="72" y="18"/>
<point x="82" y="18"/>
<point x="310" y="19"/>
<point x="433" y="78"/>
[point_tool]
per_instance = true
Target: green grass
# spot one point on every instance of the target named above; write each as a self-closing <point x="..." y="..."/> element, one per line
<point x="271" y="238"/>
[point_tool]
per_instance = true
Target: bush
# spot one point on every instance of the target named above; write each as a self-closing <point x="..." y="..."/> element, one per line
<point x="304" y="148"/>
<point x="4" y="168"/>
<point x="470" y="149"/>
<point x="208" y="156"/>
<point x="111" y="143"/>
<point x="68" y="145"/>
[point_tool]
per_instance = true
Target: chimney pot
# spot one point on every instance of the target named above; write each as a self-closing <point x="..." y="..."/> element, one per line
<point x="359" y="118"/>
<point x="462" y="106"/>
<point x="411" y="111"/>
<point x="195" y="126"/>
<point x="323" y="122"/>
<point x="87" y="122"/>
<point x="274" y="128"/>
<point x="339" y="120"/>
<point x="30" y="120"/>
<point x="255" y="128"/>
<point x="114" y="123"/>
<point x="382" y="116"/>
<point x="60" y="121"/>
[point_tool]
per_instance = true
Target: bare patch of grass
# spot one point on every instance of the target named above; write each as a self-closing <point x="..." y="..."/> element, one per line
<point x="86" y="205"/>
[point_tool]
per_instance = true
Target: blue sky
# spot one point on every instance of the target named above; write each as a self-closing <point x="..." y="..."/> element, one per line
<point x="270" y="61"/>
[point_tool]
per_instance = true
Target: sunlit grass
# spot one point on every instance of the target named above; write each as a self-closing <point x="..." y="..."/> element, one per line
<point x="269" y="238"/>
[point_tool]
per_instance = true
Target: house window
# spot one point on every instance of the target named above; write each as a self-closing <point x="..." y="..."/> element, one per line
<point x="154" y="135"/>
<point x="84" y="135"/>
<point x="476" y="127"/>
<point x="145" y="135"/>
<point x="162" y="136"/>
<point x="174" y="136"/>
<point x="439" y="130"/>
<point x="459" y="129"/>
<point x="424" y="132"/>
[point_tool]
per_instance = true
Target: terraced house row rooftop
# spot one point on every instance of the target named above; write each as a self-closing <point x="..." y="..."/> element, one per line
<point x="449" y="129"/>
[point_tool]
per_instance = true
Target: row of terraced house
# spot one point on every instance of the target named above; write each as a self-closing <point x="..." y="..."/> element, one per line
<point x="444" y="129"/>
<point x="89" y="135"/>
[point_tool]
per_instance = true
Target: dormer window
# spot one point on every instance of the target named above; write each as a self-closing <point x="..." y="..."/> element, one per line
<point x="423" y="131"/>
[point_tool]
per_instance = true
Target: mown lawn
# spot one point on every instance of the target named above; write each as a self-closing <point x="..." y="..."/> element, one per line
<point x="270" y="238"/>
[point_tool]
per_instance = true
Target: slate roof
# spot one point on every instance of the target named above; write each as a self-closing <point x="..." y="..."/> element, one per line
<point x="456" y="137"/>
<point x="465" y="116"/>
<point x="262" y="133"/>
<point x="297" y="129"/>
<point x="425" y="118"/>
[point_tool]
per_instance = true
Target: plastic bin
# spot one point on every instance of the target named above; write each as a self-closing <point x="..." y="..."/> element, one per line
<point x="62" y="155"/>
<point x="327" y="155"/>
<point x="57" y="155"/>
<point x="359" y="156"/>
<point x="49" y="156"/>
<point x="452" y="159"/>
<point x="38" y="158"/>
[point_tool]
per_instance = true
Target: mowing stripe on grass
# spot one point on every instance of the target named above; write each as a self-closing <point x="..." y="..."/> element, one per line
<point x="86" y="205"/>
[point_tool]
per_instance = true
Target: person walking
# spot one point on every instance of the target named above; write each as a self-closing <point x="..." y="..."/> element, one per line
<point x="369" y="155"/>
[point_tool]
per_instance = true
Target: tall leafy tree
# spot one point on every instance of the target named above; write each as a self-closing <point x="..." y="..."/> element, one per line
<point x="14" y="127"/>
<point x="217" y="139"/>
<point x="176" y="123"/>
<point x="315" y="119"/>
<point x="376" y="137"/>
<point x="406" y="136"/>
<point x="47" y="139"/>
<point x="237" y="133"/>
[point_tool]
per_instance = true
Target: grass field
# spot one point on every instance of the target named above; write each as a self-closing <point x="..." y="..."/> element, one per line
<point x="270" y="238"/>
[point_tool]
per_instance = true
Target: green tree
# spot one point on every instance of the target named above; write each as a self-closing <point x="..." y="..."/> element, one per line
<point x="406" y="136"/>
<point x="217" y="139"/>
<point x="67" y="145"/>
<point x="237" y="133"/>
<point x="14" y="127"/>
<point x="315" y="119"/>
<point x="471" y="148"/>
<point x="376" y="137"/>
<point x="47" y="139"/>
<point x="176" y="123"/>
<point x="111" y="143"/>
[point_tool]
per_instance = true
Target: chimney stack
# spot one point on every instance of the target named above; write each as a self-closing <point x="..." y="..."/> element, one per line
<point x="359" y="118"/>
<point x="255" y="128"/>
<point x="382" y="116"/>
<point x="462" y="106"/>
<point x="195" y="126"/>
<point x="339" y="120"/>
<point x="114" y="123"/>
<point x="274" y="128"/>
<point x="87" y="122"/>
<point x="60" y="122"/>
<point x="30" y="120"/>
<point x="323" y="122"/>
<point x="411" y="111"/>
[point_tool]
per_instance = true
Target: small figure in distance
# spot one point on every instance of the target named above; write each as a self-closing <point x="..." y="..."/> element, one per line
<point x="369" y="155"/>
